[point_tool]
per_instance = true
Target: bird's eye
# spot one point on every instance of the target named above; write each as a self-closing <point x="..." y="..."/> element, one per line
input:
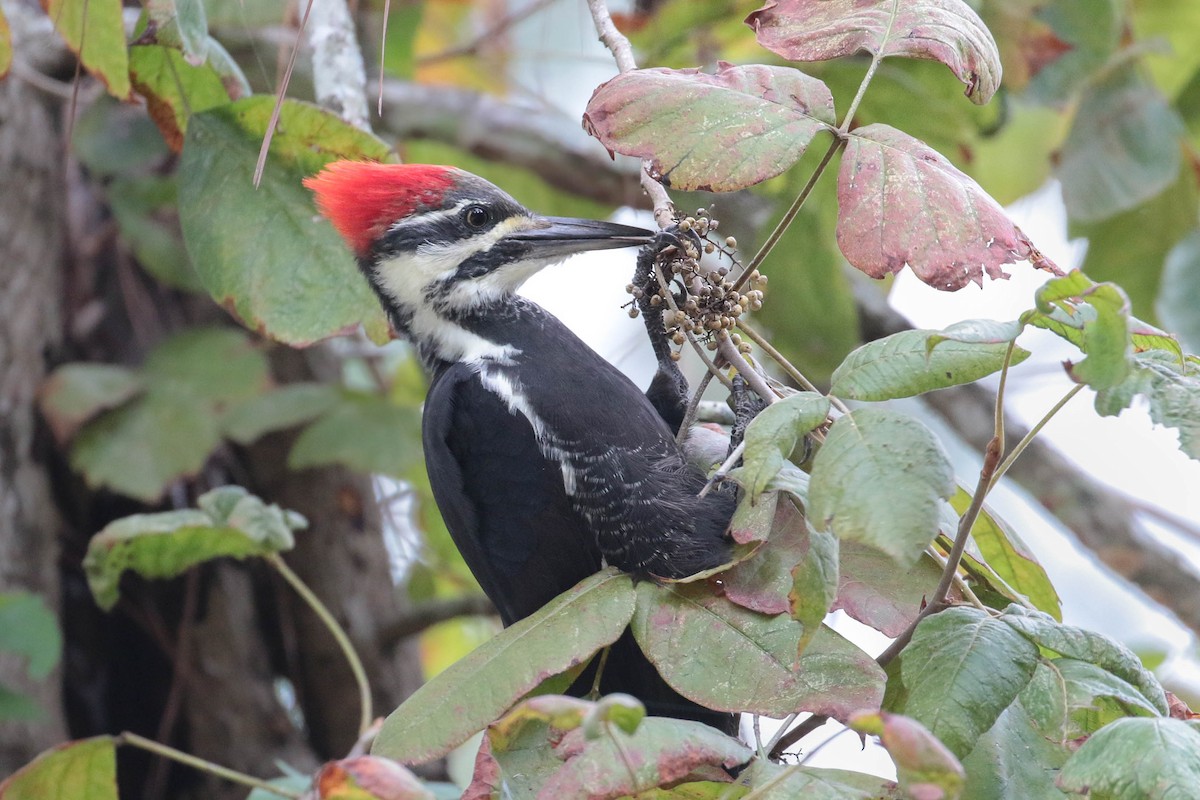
<point x="476" y="216"/>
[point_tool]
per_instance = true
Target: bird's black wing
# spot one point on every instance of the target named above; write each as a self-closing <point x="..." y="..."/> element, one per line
<point x="514" y="526"/>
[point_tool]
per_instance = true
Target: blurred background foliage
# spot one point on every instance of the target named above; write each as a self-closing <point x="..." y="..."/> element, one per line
<point x="148" y="393"/>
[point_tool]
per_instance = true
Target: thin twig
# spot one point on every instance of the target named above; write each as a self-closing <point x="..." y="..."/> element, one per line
<point x="486" y="37"/>
<point x="753" y="377"/>
<point x="273" y="123"/>
<point x="723" y="471"/>
<point x="1021" y="445"/>
<point x="339" y="635"/>
<point x="201" y="764"/>
<point x="689" y="414"/>
<point x="797" y="733"/>
<point x="779" y="358"/>
<point x="618" y="45"/>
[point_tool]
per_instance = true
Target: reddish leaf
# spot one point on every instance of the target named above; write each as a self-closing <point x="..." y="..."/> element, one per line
<point x="662" y="751"/>
<point x="941" y="30"/>
<point x="924" y="766"/>
<point x="902" y="203"/>
<point x="731" y="659"/>
<point x="368" y="778"/>
<point x="715" y="133"/>
<point x="5" y="46"/>
<point x="762" y="582"/>
<point x="874" y="591"/>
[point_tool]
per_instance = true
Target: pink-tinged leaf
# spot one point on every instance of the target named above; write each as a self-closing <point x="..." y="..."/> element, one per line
<point x="729" y="658"/>
<point x="661" y="752"/>
<point x="875" y="592"/>
<point x="761" y="583"/>
<point x="95" y="31"/>
<point x="902" y="203"/>
<point x="923" y="764"/>
<point x="939" y="30"/>
<point x="715" y="133"/>
<point x="368" y="778"/>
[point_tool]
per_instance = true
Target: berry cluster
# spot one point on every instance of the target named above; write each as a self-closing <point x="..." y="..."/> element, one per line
<point x="705" y="301"/>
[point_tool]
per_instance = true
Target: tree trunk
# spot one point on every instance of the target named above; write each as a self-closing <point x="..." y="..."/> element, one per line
<point x="31" y="219"/>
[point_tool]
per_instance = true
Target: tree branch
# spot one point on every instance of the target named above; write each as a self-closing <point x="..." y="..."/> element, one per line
<point x="428" y="614"/>
<point x="550" y="145"/>
<point x="339" y="77"/>
<point x="615" y="41"/>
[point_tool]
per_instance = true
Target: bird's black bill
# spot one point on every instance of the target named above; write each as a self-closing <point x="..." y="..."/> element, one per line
<point x="564" y="236"/>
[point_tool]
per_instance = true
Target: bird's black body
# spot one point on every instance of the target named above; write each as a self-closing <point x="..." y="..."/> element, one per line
<point x="545" y="461"/>
<point x="539" y="488"/>
<point x="505" y="500"/>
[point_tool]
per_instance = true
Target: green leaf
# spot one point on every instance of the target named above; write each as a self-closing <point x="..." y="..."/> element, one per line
<point x="145" y="212"/>
<point x="728" y="658"/>
<point x="283" y="408"/>
<point x="363" y="431"/>
<point x="941" y="30"/>
<point x="112" y="138"/>
<point x="191" y="380"/>
<point x="141" y="448"/>
<point x="217" y="365"/>
<point x="1084" y="645"/>
<point x="95" y="31"/>
<point x="958" y="674"/>
<point x="74" y="393"/>
<point x="230" y="522"/>
<point x="1071" y="699"/>
<point x="774" y="434"/>
<point x="815" y="582"/>
<point x="923" y="764"/>
<point x="1123" y="148"/>
<point x="1092" y="316"/>
<point x="1178" y="302"/>
<point x="30" y="629"/>
<point x="778" y="782"/>
<point x="16" y="706"/>
<point x="879" y="479"/>
<point x="1135" y="759"/>
<point x="447" y="710"/>
<point x="711" y="132"/>
<point x="1172" y="391"/>
<point x="1087" y="34"/>
<point x="918" y="361"/>
<point x="264" y="253"/>
<point x="188" y="20"/>
<point x="1014" y="761"/>
<point x="173" y="88"/>
<point x="1005" y="553"/>
<point x="86" y="768"/>
<point x="1131" y="248"/>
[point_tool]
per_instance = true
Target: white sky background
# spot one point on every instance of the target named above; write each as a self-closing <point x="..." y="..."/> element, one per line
<point x="559" y="61"/>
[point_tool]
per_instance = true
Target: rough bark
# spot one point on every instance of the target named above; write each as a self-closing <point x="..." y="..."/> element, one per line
<point x="341" y="556"/>
<point x="31" y="214"/>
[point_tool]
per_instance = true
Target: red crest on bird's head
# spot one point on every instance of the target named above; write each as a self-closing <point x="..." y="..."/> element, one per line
<point x="363" y="199"/>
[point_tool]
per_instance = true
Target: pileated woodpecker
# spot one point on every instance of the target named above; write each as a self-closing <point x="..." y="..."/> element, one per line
<point x="545" y="460"/>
